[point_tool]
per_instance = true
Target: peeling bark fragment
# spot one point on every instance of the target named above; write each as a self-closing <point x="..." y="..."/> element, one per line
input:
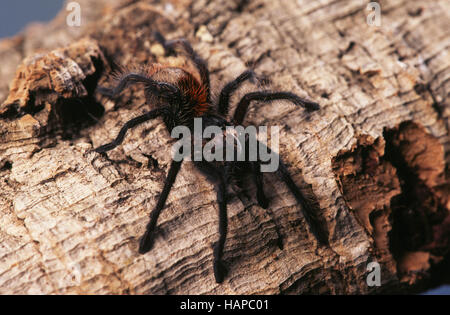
<point x="61" y="73"/>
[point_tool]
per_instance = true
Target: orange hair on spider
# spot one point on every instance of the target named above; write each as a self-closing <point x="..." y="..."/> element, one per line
<point x="188" y="83"/>
<point x="196" y="92"/>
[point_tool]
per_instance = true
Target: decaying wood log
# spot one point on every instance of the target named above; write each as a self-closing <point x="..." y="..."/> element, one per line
<point x="375" y="156"/>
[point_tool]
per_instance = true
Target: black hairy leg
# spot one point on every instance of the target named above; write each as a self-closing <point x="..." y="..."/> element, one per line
<point x="230" y="88"/>
<point x="148" y="238"/>
<point x="158" y="88"/>
<point x="220" y="176"/>
<point x="220" y="270"/>
<point x="320" y="233"/>
<point x="261" y="196"/>
<point x="258" y="178"/>
<point x="267" y="96"/>
<point x="129" y="124"/>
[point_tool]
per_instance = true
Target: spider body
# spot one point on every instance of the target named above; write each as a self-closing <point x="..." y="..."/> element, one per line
<point x="181" y="95"/>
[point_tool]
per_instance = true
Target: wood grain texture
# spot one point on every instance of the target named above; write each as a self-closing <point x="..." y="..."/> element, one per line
<point x="71" y="219"/>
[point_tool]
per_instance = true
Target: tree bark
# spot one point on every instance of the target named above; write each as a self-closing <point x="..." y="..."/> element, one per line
<point x="375" y="156"/>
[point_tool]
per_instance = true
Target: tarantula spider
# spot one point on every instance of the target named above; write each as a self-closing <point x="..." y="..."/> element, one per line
<point x="184" y="94"/>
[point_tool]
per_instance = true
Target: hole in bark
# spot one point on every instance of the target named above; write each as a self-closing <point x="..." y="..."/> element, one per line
<point x="32" y="107"/>
<point x="77" y="113"/>
<point x="420" y="88"/>
<point x="7" y="166"/>
<point x="152" y="162"/>
<point x="11" y="113"/>
<point x="397" y="190"/>
<point x="242" y="5"/>
<point x="347" y="50"/>
<point x="416" y="12"/>
<point x="233" y="44"/>
<point x="74" y="114"/>
<point x="325" y="95"/>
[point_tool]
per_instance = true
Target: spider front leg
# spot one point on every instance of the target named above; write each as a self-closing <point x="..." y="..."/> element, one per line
<point x="123" y="83"/>
<point x="147" y="240"/>
<point x="266" y="96"/>
<point x="158" y="88"/>
<point x="129" y="124"/>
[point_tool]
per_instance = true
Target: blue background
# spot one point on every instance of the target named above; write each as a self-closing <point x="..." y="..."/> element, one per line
<point x="15" y="14"/>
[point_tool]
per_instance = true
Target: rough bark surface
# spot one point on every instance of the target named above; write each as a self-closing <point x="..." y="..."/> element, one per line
<point x="375" y="156"/>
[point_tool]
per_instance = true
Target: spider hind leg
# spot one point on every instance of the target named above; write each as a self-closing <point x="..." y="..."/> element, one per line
<point x="258" y="178"/>
<point x="263" y="201"/>
<point x="147" y="240"/>
<point x="220" y="270"/>
<point x="221" y="177"/>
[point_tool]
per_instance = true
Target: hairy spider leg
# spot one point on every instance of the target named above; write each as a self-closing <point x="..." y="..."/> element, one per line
<point x="220" y="270"/>
<point x="154" y="86"/>
<point x="129" y="124"/>
<point x="221" y="179"/>
<point x="147" y="240"/>
<point x="266" y="96"/>
<point x="261" y="196"/>
<point x="230" y="88"/>
<point x="150" y="84"/>
<point x="258" y="179"/>
<point x="200" y="63"/>
<point x="311" y="217"/>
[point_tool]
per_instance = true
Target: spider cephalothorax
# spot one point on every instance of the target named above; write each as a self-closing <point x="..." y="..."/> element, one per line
<point x="183" y="94"/>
